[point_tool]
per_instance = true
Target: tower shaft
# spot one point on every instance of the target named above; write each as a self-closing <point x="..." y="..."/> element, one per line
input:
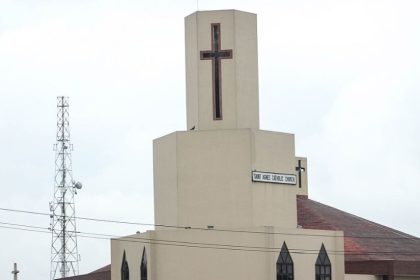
<point x="64" y="253"/>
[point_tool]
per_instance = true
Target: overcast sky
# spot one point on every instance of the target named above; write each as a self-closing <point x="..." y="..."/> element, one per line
<point x="342" y="75"/>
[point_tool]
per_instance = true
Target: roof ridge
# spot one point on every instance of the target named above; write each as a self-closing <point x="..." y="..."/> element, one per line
<point x="397" y="232"/>
<point x="400" y="233"/>
<point x="102" y="269"/>
<point x="319" y="216"/>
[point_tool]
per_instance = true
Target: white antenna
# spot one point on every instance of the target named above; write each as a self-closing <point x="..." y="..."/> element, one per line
<point x="64" y="254"/>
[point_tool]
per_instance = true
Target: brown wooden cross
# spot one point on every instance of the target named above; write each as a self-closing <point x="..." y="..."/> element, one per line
<point x="215" y="55"/>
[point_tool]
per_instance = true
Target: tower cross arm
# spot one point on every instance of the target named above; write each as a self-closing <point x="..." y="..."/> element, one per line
<point x="222" y="54"/>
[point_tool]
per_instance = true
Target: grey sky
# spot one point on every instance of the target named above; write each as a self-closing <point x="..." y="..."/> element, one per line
<point x="343" y="76"/>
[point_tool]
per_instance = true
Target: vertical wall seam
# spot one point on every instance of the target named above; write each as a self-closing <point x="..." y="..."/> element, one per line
<point x="176" y="178"/>
<point x="197" y="73"/>
<point x="235" y="52"/>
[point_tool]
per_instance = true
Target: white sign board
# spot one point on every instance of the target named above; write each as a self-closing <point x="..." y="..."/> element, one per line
<point x="275" y="178"/>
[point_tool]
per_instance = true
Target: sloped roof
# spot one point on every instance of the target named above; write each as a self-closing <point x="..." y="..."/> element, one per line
<point x="103" y="273"/>
<point x="102" y="269"/>
<point x="365" y="243"/>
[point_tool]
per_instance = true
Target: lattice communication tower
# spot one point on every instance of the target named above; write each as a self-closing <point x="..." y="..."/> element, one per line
<point x="64" y="253"/>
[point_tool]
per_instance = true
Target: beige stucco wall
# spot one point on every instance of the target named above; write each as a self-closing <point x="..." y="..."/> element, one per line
<point x="203" y="178"/>
<point x="165" y="177"/>
<point x="190" y="258"/>
<point x="239" y="74"/>
<point x="133" y="248"/>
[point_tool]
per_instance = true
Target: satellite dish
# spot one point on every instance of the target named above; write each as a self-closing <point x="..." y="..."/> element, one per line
<point x="78" y="185"/>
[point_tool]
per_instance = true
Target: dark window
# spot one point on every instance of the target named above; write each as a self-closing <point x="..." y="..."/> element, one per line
<point x="323" y="265"/>
<point x="143" y="266"/>
<point x="125" y="273"/>
<point x="285" y="264"/>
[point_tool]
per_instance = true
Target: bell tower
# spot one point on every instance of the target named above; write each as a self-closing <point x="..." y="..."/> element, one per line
<point x="225" y="192"/>
<point x="224" y="171"/>
<point x="222" y="70"/>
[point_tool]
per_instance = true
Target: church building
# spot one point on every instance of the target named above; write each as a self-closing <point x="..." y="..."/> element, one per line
<point x="231" y="200"/>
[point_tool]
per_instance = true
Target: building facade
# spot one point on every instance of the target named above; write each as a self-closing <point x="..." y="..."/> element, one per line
<point x="231" y="200"/>
<point x="226" y="188"/>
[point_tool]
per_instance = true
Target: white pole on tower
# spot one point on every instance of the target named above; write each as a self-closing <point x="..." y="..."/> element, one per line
<point x="64" y="253"/>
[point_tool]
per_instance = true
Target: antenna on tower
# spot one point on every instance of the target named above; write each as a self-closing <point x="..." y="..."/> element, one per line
<point x="64" y="253"/>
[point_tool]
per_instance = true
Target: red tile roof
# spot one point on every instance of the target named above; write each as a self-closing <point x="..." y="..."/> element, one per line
<point x="103" y="273"/>
<point x="365" y="243"/>
<point x="102" y="269"/>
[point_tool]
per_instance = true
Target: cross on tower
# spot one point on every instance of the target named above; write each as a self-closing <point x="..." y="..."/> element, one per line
<point x="300" y="168"/>
<point x="215" y="55"/>
<point x="15" y="271"/>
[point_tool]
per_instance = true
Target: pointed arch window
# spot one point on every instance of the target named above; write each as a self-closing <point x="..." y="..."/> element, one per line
<point x="323" y="265"/>
<point x="125" y="272"/>
<point x="285" y="264"/>
<point x="143" y="266"/>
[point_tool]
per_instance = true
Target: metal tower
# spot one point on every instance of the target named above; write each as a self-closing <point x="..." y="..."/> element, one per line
<point x="64" y="254"/>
